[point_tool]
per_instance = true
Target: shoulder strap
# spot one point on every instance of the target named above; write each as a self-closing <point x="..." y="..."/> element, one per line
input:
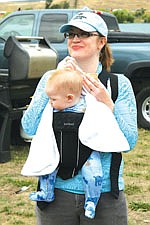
<point x="116" y="157"/>
<point x="104" y="76"/>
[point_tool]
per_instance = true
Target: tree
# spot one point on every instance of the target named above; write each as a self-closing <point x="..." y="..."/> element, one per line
<point x="75" y="3"/>
<point x="61" y="5"/>
<point x="48" y="4"/>
<point x="124" y="16"/>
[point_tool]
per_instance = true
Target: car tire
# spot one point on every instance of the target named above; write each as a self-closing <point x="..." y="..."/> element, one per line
<point x="143" y="108"/>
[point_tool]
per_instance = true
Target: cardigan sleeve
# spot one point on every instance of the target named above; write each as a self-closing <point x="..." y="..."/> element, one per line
<point x="32" y="115"/>
<point x="125" y="110"/>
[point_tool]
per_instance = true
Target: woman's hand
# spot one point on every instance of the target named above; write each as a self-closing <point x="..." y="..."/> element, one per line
<point x="98" y="90"/>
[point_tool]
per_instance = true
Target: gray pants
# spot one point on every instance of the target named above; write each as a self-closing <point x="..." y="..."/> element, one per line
<point x="68" y="209"/>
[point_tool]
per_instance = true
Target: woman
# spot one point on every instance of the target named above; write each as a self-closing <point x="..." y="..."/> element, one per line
<point x="90" y="53"/>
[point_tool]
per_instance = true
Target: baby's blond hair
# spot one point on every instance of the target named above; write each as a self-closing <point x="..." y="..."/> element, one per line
<point x="66" y="80"/>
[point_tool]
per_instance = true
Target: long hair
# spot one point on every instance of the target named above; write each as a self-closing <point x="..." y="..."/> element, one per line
<point x="106" y="57"/>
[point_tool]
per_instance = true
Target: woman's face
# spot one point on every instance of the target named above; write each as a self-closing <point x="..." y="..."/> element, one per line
<point x="85" y="48"/>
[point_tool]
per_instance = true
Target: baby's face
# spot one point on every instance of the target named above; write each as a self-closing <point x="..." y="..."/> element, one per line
<point x="58" y="101"/>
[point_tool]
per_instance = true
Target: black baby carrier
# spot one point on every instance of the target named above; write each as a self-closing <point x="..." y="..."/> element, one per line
<point x="73" y="154"/>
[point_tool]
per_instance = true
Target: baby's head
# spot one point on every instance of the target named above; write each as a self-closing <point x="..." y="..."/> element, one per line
<point x="64" y="88"/>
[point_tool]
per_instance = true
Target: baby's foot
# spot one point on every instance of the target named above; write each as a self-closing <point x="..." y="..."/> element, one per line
<point x="41" y="196"/>
<point x="90" y="210"/>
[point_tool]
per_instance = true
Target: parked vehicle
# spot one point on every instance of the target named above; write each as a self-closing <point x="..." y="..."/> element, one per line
<point x="131" y="52"/>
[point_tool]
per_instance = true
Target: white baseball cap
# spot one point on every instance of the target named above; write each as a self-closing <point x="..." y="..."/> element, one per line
<point x="87" y="21"/>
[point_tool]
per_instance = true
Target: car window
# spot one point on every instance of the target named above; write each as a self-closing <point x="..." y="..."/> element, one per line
<point x="49" y="27"/>
<point x="111" y="22"/>
<point x="19" y="25"/>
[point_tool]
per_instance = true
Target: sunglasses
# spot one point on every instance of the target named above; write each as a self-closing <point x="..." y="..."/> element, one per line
<point x="83" y="35"/>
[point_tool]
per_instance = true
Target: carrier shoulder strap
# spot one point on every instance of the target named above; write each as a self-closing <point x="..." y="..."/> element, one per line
<point x="116" y="157"/>
<point x="104" y="76"/>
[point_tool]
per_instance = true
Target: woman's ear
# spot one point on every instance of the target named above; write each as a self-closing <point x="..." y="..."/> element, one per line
<point x="102" y="42"/>
<point x="70" y="97"/>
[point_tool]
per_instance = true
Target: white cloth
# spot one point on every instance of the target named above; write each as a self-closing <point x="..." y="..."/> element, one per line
<point x="98" y="130"/>
<point x="43" y="157"/>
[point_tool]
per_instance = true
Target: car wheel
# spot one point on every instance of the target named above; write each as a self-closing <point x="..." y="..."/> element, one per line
<point x="143" y="107"/>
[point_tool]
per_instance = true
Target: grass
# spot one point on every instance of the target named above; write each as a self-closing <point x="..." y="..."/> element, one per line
<point x="17" y="209"/>
<point x="137" y="180"/>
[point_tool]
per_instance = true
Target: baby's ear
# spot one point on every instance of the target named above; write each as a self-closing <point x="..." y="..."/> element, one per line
<point x="70" y="97"/>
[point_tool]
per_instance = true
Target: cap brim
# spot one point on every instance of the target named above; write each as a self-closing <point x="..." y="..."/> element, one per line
<point x="83" y="26"/>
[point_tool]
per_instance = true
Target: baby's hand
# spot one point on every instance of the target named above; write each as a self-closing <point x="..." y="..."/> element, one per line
<point x="71" y="63"/>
